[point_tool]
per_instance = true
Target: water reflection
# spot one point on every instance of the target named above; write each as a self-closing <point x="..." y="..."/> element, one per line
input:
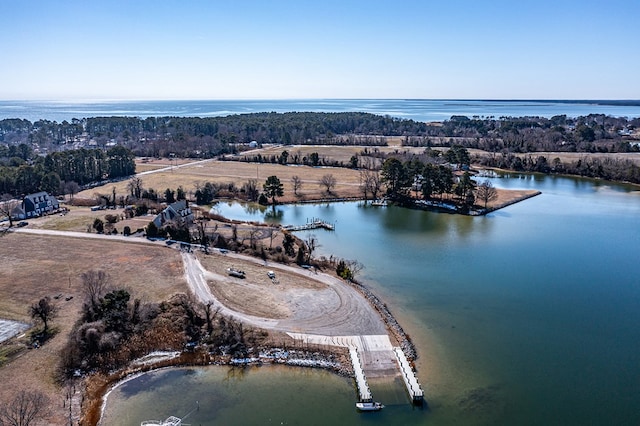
<point x="272" y="216"/>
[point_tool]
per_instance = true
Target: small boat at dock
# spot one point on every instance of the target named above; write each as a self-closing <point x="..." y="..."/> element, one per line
<point x="369" y="406"/>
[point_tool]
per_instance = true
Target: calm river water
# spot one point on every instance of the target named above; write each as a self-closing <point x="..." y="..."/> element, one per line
<point x="527" y="316"/>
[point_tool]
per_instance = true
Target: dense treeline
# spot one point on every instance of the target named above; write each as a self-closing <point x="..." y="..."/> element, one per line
<point x="604" y="168"/>
<point x="210" y="136"/>
<point x="23" y="172"/>
<point x="193" y="137"/>
<point x="593" y="133"/>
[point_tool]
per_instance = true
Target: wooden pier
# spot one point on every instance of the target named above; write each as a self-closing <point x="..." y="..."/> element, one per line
<point x="361" y="379"/>
<point x="410" y="380"/>
<point x="313" y="224"/>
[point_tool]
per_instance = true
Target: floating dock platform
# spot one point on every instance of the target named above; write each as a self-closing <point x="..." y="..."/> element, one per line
<point x="408" y="375"/>
<point x="361" y="379"/>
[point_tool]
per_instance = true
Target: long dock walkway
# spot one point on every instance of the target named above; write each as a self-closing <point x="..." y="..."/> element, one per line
<point x="411" y="382"/>
<point x="361" y="379"/>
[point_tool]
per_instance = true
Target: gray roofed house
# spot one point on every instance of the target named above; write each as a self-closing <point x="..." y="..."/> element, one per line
<point x="178" y="212"/>
<point x="34" y="205"/>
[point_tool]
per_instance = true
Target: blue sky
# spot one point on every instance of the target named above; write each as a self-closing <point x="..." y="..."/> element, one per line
<point x="249" y="49"/>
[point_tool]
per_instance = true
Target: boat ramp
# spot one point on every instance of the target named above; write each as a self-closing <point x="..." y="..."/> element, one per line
<point x="408" y="375"/>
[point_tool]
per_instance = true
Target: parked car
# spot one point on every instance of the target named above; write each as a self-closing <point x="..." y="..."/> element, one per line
<point x="22" y="223"/>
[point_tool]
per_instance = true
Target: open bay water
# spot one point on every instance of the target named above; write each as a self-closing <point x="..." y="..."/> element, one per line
<point x="527" y="316"/>
<point x="415" y="109"/>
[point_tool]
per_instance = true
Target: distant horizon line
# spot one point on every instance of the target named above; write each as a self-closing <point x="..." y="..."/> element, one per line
<point x="114" y="100"/>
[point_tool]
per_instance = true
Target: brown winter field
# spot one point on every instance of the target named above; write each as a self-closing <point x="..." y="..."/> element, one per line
<point x="568" y="157"/>
<point x="239" y="173"/>
<point x="81" y="219"/>
<point x="332" y="153"/>
<point x="192" y="176"/>
<point x="37" y="266"/>
<point x="145" y="164"/>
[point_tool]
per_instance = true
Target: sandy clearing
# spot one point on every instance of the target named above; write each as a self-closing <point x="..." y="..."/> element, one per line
<point x="338" y="309"/>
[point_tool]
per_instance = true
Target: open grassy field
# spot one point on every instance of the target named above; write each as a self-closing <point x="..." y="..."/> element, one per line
<point x="328" y="152"/>
<point x="238" y="173"/>
<point x="145" y="164"/>
<point x="190" y="177"/>
<point x="568" y="157"/>
<point x="81" y="219"/>
<point x="37" y="266"/>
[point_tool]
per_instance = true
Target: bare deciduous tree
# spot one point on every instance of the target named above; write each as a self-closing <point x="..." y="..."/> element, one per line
<point x="7" y="205"/>
<point x="329" y="182"/>
<point x="44" y="311"/>
<point x="254" y="235"/>
<point x="296" y="182"/>
<point x="271" y="233"/>
<point x="370" y="183"/>
<point x="135" y="187"/>
<point x="210" y="315"/>
<point x="251" y="189"/>
<point x="26" y="408"/>
<point x="486" y="192"/>
<point x="355" y="267"/>
<point x="71" y="188"/>
<point x="95" y="284"/>
<point x="312" y="244"/>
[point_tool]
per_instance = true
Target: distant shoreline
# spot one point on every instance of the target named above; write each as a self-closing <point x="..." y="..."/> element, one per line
<point x="422" y="110"/>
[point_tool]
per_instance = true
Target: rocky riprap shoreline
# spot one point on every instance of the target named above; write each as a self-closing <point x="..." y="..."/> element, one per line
<point x="394" y="327"/>
<point x="294" y="357"/>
